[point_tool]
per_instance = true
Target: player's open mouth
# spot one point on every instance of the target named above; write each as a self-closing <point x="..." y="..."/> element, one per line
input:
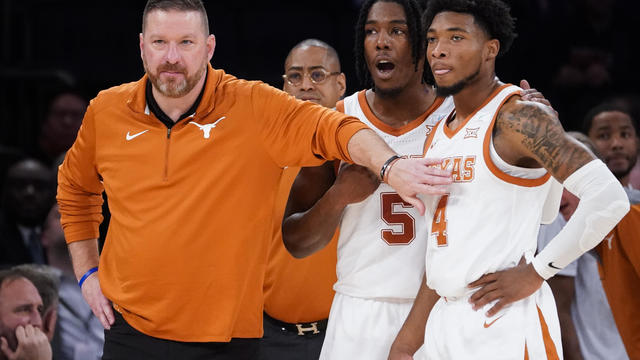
<point x="385" y="66"/>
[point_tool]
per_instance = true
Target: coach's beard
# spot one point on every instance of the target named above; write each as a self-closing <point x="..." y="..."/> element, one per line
<point x="445" y="91"/>
<point x="172" y="88"/>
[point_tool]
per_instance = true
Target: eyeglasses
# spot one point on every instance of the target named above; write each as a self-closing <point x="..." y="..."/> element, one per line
<point x="317" y="76"/>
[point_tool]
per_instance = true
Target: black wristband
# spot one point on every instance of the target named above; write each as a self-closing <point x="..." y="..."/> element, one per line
<point x="386" y="165"/>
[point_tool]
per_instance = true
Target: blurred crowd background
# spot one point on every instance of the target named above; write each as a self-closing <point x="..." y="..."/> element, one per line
<point x="577" y="52"/>
<point x="56" y="55"/>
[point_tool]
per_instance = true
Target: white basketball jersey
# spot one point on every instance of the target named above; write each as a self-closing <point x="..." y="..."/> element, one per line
<point x="383" y="239"/>
<point x="489" y="219"/>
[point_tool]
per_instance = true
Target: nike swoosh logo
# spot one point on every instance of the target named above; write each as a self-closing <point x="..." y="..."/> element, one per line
<point x="555" y="267"/>
<point x="131" y="137"/>
<point x="491" y="323"/>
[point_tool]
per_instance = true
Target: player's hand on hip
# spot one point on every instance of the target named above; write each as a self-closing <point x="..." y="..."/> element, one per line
<point x="99" y="304"/>
<point x="505" y="287"/>
<point x="32" y="345"/>
<point x="413" y="176"/>
<point x="355" y="183"/>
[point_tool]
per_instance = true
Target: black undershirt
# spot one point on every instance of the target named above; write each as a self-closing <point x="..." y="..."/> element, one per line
<point x="166" y="120"/>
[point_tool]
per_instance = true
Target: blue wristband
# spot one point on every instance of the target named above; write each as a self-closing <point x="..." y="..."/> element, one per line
<point x="86" y="275"/>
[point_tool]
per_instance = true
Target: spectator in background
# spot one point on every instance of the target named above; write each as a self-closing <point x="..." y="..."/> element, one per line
<point x="21" y="335"/>
<point x="614" y="131"/>
<point x="298" y="292"/>
<point x="61" y="125"/>
<point x="630" y="104"/>
<point x="45" y="279"/>
<point x="27" y="195"/>
<point x="79" y="334"/>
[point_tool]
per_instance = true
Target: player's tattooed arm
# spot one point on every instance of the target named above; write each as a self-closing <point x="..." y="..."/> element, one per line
<point x="535" y="133"/>
<point x="529" y="135"/>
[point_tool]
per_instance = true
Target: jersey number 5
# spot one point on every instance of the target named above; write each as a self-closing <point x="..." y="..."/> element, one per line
<point x="388" y="202"/>
<point x="439" y="222"/>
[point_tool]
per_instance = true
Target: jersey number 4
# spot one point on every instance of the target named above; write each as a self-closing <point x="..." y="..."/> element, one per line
<point x="439" y="222"/>
<point x="392" y="215"/>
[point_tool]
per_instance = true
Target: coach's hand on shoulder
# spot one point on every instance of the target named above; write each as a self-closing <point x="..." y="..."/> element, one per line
<point x="33" y="344"/>
<point x="413" y="176"/>
<point x="506" y="286"/>
<point x="99" y="304"/>
<point x="355" y="183"/>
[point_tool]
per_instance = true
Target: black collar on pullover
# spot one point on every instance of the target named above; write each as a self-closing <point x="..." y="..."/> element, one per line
<point x="155" y="108"/>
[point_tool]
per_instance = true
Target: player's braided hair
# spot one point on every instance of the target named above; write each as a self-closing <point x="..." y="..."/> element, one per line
<point x="491" y="15"/>
<point x="413" y="13"/>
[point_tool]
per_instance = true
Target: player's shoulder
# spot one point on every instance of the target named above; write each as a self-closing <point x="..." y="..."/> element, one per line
<point x="355" y="97"/>
<point x="350" y="104"/>
<point x="516" y="113"/>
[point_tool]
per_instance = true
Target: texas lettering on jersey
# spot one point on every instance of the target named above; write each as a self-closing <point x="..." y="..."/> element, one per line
<point x="462" y="167"/>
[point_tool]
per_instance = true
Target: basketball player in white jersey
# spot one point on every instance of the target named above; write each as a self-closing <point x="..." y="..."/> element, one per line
<point x="380" y="248"/>
<point x="485" y="295"/>
<point x="382" y="239"/>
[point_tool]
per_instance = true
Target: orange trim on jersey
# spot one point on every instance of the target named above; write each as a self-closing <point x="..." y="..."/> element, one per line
<point x="526" y="352"/>
<point x="549" y="345"/>
<point x="340" y="106"/>
<point x="366" y="109"/>
<point x="430" y="137"/>
<point x="494" y="169"/>
<point x="451" y="133"/>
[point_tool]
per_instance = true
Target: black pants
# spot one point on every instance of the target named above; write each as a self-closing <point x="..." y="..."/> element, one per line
<point x="123" y="342"/>
<point x="279" y="344"/>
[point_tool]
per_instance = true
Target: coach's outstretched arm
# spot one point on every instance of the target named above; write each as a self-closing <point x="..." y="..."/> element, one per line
<point x="409" y="177"/>
<point x="318" y="198"/>
<point x="532" y="131"/>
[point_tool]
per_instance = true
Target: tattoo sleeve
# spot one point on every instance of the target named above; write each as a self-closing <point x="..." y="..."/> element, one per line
<point x="542" y="138"/>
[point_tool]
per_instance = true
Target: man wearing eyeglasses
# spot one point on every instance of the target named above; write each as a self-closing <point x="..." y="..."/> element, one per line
<point x="312" y="72"/>
<point x="298" y="292"/>
<point x="382" y="240"/>
<point x="380" y="259"/>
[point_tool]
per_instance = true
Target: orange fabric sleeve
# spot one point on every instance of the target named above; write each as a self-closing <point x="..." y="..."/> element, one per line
<point x="286" y="127"/>
<point x="80" y="192"/>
